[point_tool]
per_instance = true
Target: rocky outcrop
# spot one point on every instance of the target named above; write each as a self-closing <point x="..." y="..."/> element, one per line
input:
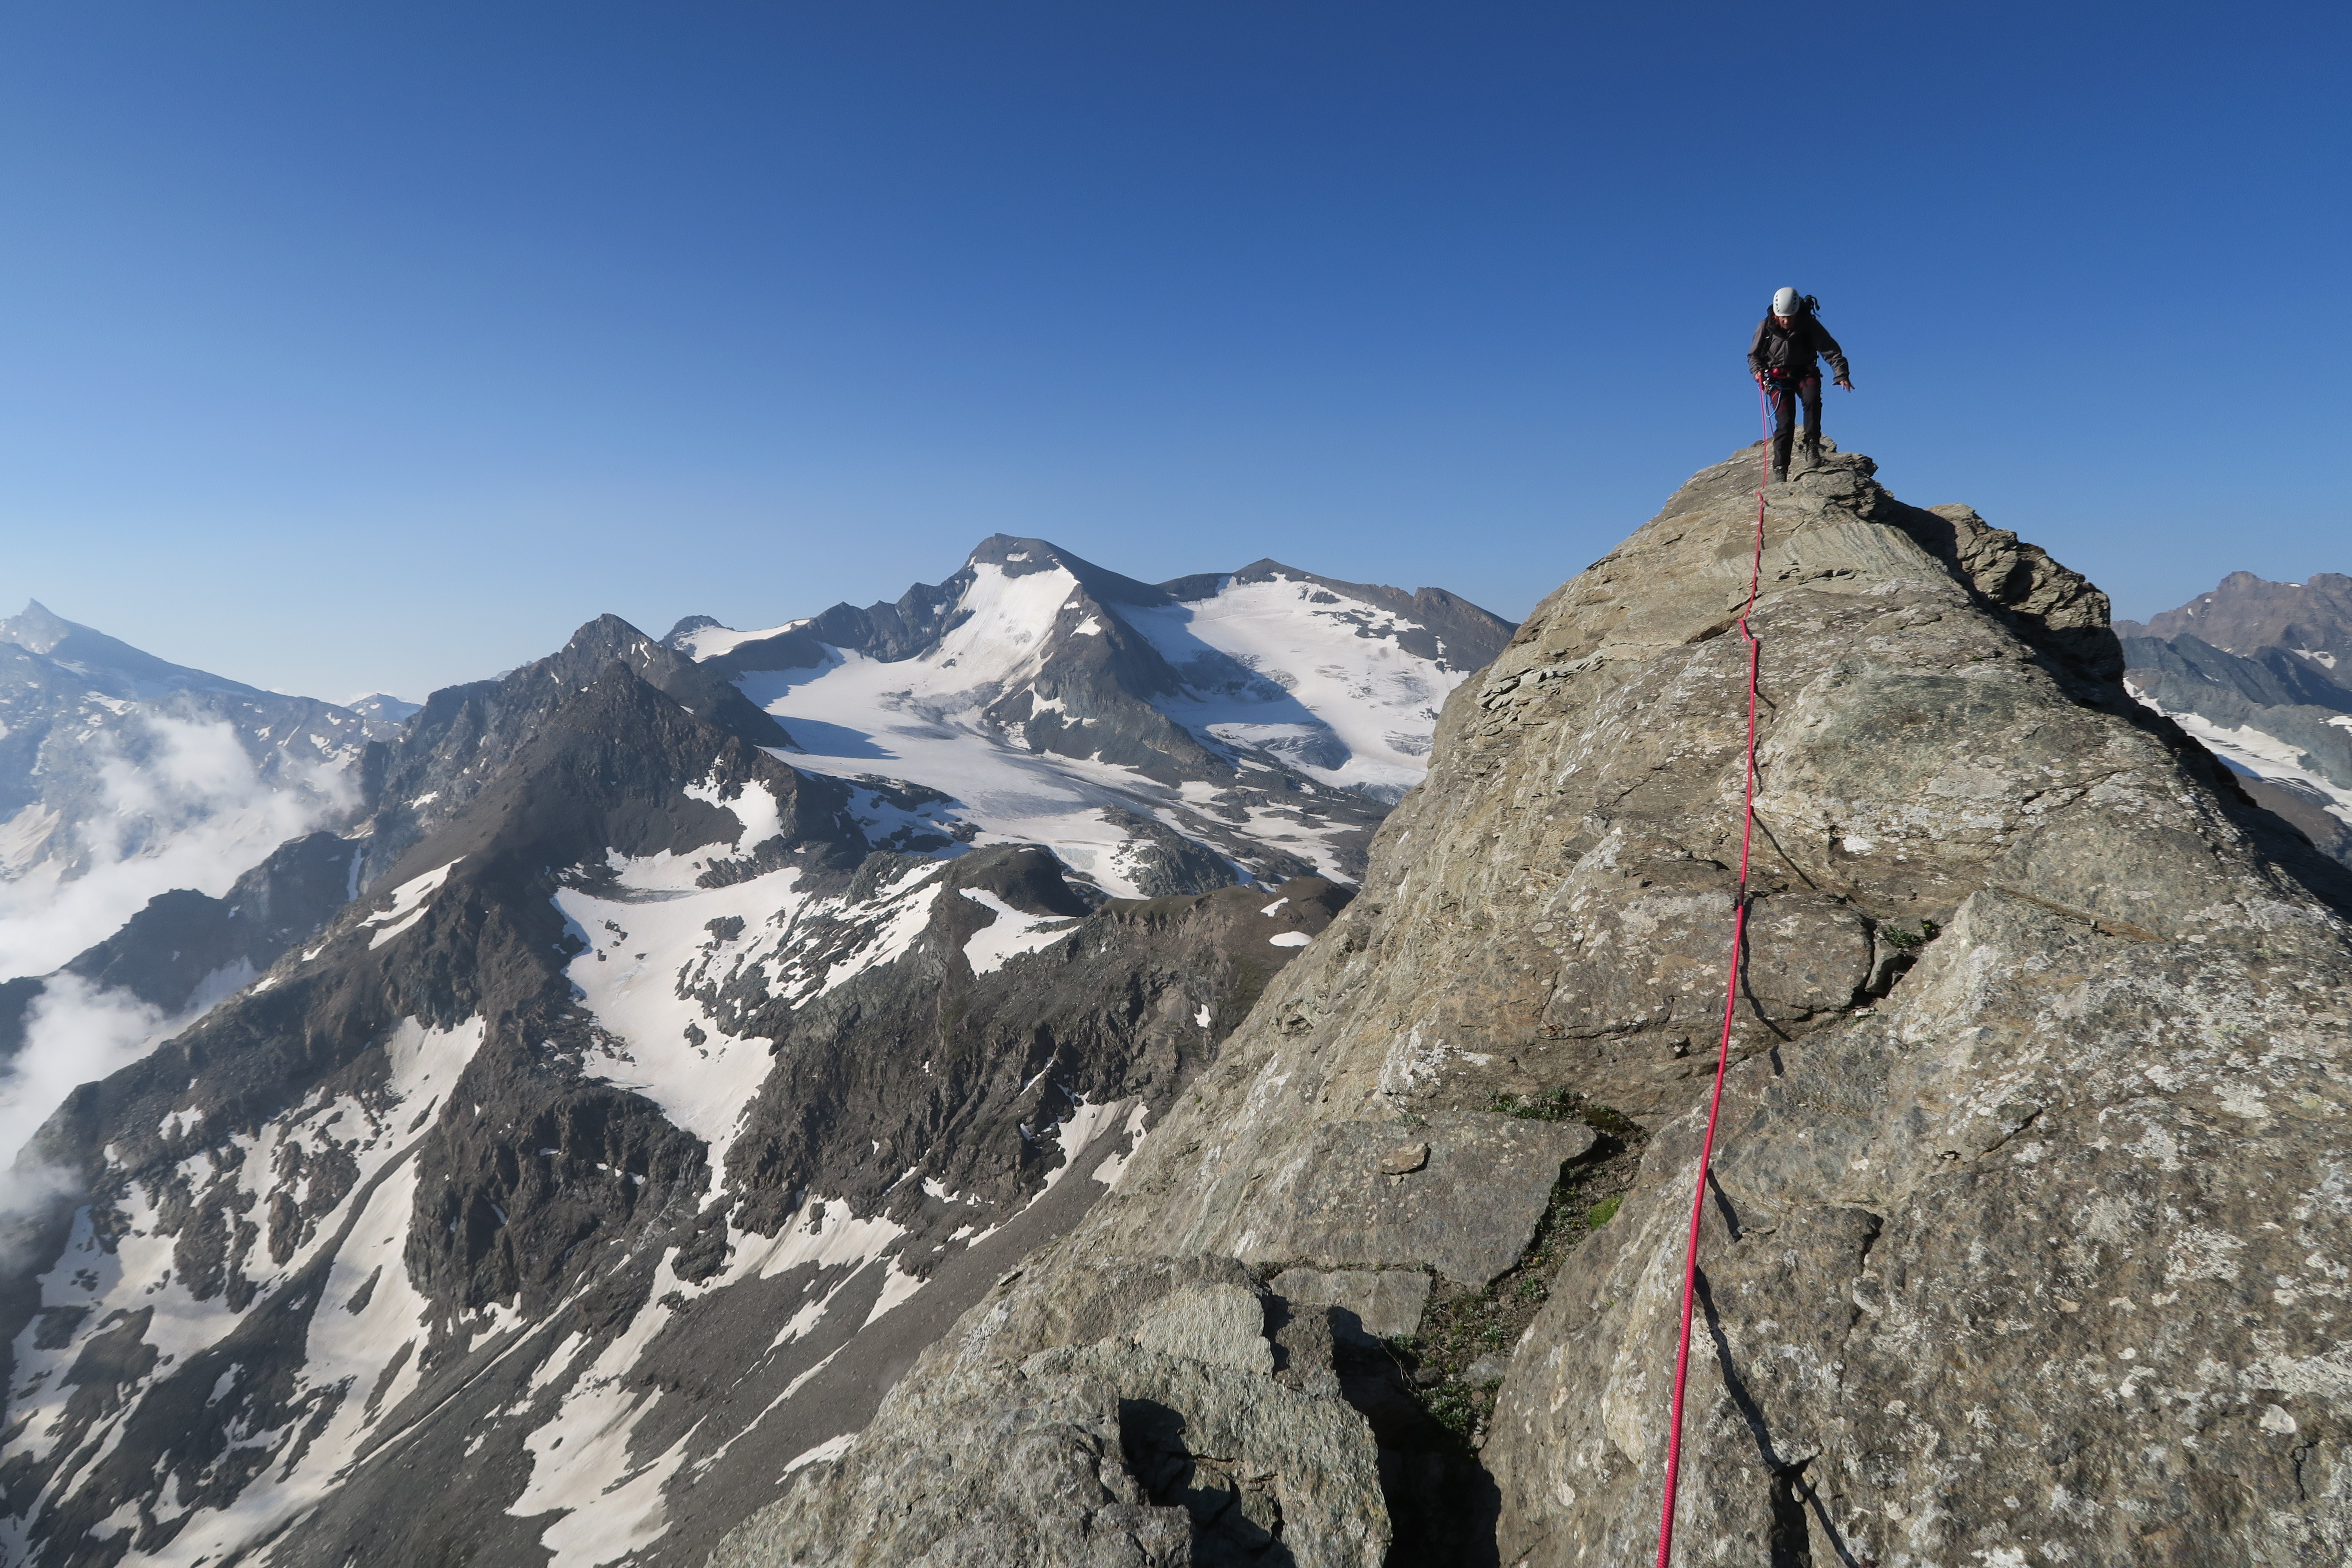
<point x="2023" y="1245"/>
<point x="1147" y="1414"/>
<point x="462" y="740"/>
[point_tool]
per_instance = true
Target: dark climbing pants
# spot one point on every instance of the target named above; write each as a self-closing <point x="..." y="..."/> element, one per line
<point x="1784" y="416"/>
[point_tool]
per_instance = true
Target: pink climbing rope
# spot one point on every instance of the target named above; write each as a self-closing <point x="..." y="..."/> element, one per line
<point x="1731" y="1002"/>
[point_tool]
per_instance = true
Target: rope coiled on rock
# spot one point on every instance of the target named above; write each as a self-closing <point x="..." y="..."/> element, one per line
<point x="1731" y="1002"/>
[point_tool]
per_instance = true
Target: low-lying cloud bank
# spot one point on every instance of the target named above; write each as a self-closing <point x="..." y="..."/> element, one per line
<point x="193" y="811"/>
<point x="186" y="805"/>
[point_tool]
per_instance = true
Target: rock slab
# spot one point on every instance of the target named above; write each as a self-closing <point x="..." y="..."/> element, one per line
<point x="1387" y="1302"/>
<point x="1463" y="1196"/>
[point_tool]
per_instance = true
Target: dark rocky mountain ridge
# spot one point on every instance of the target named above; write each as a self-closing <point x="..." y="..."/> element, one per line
<point x="187" y="950"/>
<point x="641" y="1107"/>
<point x="2246" y="615"/>
<point x="549" y="1197"/>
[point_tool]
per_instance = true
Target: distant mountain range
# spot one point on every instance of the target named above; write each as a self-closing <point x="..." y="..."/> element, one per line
<point x="724" y="1009"/>
<point x="2261" y="673"/>
<point x="122" y="774"/>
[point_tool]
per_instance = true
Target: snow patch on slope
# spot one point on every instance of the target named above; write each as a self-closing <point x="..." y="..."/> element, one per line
<point x="657" y="953"/>
<point x="580" y="1466"/>
<point x="128" y="1267"/>
<point x="1297" y="669"/>
<point x="408" y="901"/>
<point x="615" y="1503"/>
<point x="1013" y="931"/>
<point x="2264" y="755"/>
<point x="1077" y="1132"/>
<point x="710" y="642"/>
<point x="346" y="1357"/>
<point x="636" y="979"/>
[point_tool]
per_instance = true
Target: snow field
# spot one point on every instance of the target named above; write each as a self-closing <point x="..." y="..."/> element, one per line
<point x="859" y="716"/>
<point x="710" y="642"/>
<point x="1273" y="668"/>
<point x="630" y="978"/>
<point x="1110" y="1170"/>
<point x="1354" y="711"/>
<point x="830" y="1449"/>
<point x="649" y="949"/>
<point x="2264" y="755"/>
<point x="1013" y="931"/>
<point x="1079" y="1131"/>
<point x="580" y="1461"/>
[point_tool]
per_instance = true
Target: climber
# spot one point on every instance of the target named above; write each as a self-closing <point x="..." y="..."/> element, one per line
<point x="1783" y="361"/>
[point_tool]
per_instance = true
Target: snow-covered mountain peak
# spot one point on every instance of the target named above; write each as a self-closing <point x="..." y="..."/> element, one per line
<point x="107" y="664"/>
<point x="701" y="636"/>
<point x="36" y="629"/>
<point x="1247" y="723"/>
<point x="1018" y="557"/>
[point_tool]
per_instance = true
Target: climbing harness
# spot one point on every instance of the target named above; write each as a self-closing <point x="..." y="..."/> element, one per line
<point x="1730" y="1000"/>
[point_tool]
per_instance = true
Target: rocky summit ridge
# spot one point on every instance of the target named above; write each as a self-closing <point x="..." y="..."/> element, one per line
<point x="2026" y="1240"/>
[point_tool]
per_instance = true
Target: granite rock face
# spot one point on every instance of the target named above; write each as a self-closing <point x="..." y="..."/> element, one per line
<point x="2025" y="1243"/>
<point x="1461" y="1195"/>
<point x="1130" y="1413"/>
<point x="1387" y="1302"/>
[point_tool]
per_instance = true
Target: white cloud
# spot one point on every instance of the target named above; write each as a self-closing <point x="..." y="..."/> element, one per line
<point x="196" y="813"/>
<point x="75" y="1033"/>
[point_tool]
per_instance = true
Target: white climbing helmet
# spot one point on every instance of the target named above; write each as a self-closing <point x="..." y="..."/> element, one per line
<point x="1784" y="302"/>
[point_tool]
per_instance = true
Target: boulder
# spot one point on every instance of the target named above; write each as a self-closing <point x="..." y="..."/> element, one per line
<point x="1119" y="1413"/>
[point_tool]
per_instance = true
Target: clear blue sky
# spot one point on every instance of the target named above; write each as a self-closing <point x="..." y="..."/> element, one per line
<point x="377" y="345"/>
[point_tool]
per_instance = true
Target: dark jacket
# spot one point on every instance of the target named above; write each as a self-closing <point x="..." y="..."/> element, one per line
<point x="1792" y="348"/>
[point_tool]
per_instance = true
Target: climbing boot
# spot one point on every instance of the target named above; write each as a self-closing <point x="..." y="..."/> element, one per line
<point x="1810" y="448"/>
<point x="1779" y="473"/>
